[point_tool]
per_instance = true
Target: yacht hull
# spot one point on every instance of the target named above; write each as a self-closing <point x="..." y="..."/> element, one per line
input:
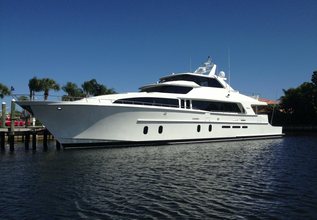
<point x="81" y="125"/>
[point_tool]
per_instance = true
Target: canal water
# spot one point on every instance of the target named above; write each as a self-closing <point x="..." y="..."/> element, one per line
<point x="263" y="179"/>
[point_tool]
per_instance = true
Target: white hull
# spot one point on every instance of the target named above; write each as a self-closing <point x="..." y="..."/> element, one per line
<point x="76" y="124"/>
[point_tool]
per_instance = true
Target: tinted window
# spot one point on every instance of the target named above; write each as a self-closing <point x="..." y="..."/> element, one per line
<point x="187" y="104"/>
<point x="168" y="89"/>
<point x="260" y="109"/>
<point x="182" y="103"/>
<point x="149" y="101"/>
<point x="216" y="106"/>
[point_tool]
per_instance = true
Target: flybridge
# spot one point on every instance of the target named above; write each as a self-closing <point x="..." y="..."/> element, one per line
<point x="204" y="75"/>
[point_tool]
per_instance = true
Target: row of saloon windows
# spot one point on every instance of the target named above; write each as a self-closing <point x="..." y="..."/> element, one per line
<point x="213" y="106"/>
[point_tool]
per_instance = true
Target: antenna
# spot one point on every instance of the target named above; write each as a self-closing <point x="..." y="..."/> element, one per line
<point x="229" y="66"/>
<point x="190" y="64"/>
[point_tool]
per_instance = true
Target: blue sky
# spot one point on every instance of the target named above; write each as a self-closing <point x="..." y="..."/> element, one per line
<point x="128" y="43"/>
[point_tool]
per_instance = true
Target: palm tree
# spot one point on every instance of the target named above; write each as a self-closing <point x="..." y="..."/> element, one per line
<point x="89" y="87"/>
<point x="23" y="98"/>
<point x="34" y="86"/>
<point x="103" y="90"/>
<point x="47" y="84"/>
<point x="4" y="90"/>
<point x="72" y="90"/>
<point x="93" y="88"/>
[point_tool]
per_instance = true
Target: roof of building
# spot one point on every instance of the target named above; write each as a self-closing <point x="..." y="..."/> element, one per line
<point x="269" y="102"/>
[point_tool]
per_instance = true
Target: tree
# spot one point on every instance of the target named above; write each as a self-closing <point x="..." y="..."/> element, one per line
<point x="89" y="87"/>
<point x="4" y="90"/>
<point x="34" y="86"/>
<point x="73" y="92"/>
<point x="314" y="77"/>
<point x="47" y="84"/>
<point x="300" y="104"/>
<point x="23" y="98"/>
<point x="103" y="90"/>
<point x="93" y="88"/>
<point x="314" y="80"/>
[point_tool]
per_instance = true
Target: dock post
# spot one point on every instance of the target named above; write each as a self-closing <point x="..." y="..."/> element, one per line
<point x="12" y="115"/>
<point x="27" y="140"/>
<point x="34" y="140"/>
<point x="11" y="132"/>
<point x="58" y="145"/>
<point x="2" y="144"/>
<point x="45" y="133"/>
<point x="11" y="140"/>
<point x="3" y="115"/>
<point x="3" y="125"/>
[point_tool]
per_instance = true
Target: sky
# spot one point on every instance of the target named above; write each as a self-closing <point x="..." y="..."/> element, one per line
<point x="266" y="45"/>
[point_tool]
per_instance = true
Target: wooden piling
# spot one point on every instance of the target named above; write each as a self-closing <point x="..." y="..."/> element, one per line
<point x="27" y="140"/>
<point x="11" y="130"/>
<point x="12" y="116"/>
<point x="3" y="116"/>
<point x="33" y="140"/>
<point x="3" y="125"/>
<point x="2" y="142"/>
<point x="11" y="140"/>
<point x="45" y="133"/>
<point x="58" y="145"/>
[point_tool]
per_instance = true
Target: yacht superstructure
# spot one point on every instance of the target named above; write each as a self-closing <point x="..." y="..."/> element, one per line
<point x="184" y="107"/>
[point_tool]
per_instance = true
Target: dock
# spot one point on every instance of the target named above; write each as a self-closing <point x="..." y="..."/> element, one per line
<point x="11" y="134"/>
<point x="28" y="135"/>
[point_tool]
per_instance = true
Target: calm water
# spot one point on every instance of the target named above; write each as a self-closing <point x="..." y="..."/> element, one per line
<point x="266" y="179"/>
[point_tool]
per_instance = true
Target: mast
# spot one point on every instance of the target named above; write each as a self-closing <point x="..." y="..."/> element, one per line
<point x="229" y="66"/>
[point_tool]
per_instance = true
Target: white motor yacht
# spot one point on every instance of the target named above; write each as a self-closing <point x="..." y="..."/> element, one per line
<point x="184" y="107"/>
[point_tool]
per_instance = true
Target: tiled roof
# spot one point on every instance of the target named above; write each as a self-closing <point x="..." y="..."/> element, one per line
<point x="269" y="102"/>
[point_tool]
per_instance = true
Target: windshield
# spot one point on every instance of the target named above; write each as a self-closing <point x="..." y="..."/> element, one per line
<point x="200" y="80"/>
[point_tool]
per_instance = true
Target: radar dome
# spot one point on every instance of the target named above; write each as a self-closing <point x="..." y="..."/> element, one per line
<point x="222" y="74"/>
